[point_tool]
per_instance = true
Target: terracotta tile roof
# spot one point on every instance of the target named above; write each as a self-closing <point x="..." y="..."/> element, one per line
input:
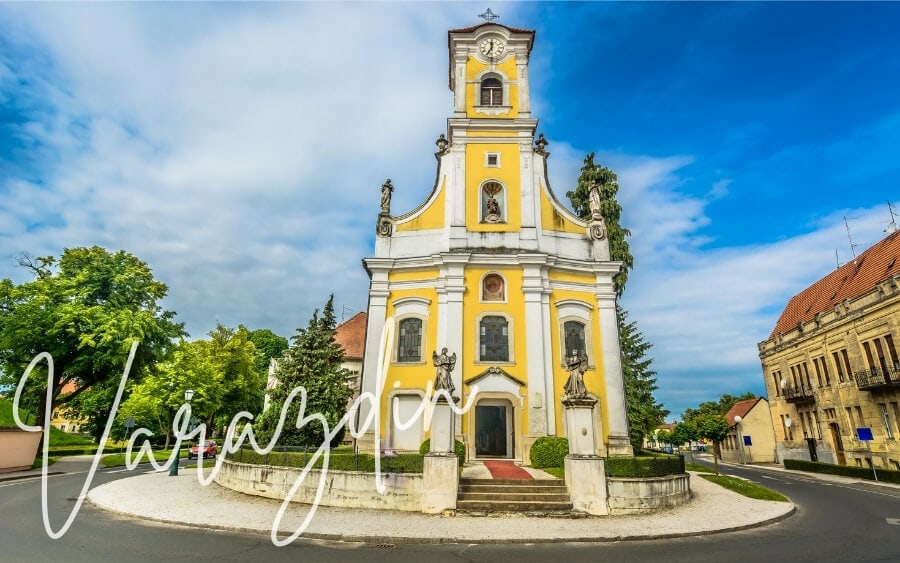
<point x="741" y="408"/>
<point x="879" y="262"/>
<point x="351" y="335"/>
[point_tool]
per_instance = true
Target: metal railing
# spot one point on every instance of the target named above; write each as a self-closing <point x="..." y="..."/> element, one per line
<point x="877" y="378"/>
<point x="800" y="394"/>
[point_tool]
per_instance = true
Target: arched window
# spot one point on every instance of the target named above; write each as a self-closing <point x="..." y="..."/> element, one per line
<point x="574" y="332"/>
<point x="494" y="339"/>
<point x="491" y="91"/>
<point x="492" y="204"/>
<point x="410" y="341"/>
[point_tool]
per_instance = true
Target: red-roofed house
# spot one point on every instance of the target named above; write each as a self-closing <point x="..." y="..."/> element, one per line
<point x="351" y="335"/>
<point x="831" y="365"/>
<point x="751" y="439"/>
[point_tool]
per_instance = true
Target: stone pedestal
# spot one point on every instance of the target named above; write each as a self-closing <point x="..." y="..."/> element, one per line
<point x="586" y="482"/>
<point x="585" y="474"/>
<point x="440" y="473"/>
<point x="580" y="426"/>
<point x="443" y="428"/>
<point x="440" y="481"/>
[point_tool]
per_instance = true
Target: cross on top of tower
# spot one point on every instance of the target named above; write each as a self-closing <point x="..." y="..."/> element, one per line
<point x="488" y="15"/>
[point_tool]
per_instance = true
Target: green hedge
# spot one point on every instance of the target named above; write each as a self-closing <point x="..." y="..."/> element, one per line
<point x="644" y="466"/>
<point x="549" y="451"/>
<point x="458" y="447"/>
<point x="886" y="475"/>
<point x="401" y="463"/>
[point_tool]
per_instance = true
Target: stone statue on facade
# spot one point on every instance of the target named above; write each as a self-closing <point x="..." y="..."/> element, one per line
<point x="577" y="365"/>
<point x="594" y="200"/>
<point x="386" y="189"/>
<point x="493" y="209"/>
<point x="443" y="366"/>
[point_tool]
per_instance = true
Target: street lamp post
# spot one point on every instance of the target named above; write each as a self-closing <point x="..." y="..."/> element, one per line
<point x="173" y="469"/>
<point x="737" y="422"/>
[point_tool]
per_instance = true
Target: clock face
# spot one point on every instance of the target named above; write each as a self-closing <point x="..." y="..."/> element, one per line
<point x="492" y="48"/>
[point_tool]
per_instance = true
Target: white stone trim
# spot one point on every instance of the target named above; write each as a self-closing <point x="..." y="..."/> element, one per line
<point x="504" y="203"/>
<point x="423" y="337"/>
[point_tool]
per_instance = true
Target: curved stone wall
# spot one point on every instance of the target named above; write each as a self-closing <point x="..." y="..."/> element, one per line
<point x="403" y="491"/>
<point x="647" y="494"/>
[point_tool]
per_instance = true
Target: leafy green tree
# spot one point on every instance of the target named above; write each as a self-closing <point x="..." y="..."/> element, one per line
<point x="712" y="427"/>
<point x="608" y="184"/>
<point x="85" y="309"/>
<point x="720" y="407"/>
<point x="644" y="413"/>
<point x="241" y="384"/>
<point x="685" y="432"/>
<point x="313" y="362"/>
<point x="268" y="345"/>
<point x="663" y="437"/>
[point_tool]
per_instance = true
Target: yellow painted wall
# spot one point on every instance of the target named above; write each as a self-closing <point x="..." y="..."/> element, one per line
<point x="509" y="174"/>
<point x="508" y="68"/>
<point x="553" y="220"/>
<point x="432" y="217"/>
<point x="492" y="134"/>
<point x="594" y="378"/>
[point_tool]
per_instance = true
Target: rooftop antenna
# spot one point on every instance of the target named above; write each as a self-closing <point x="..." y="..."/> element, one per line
<point x="847" y="226"/>
<point x="344" y="310"/>
<point x="892" y="226"/>
<point x="837" y="261"/>
<point x="488" y="16"/>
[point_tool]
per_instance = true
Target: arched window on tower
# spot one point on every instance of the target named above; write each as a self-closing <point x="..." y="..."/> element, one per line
<point x="491" y="91"/>
<point x="410" y="342"/>
<point x="574" y="331"/>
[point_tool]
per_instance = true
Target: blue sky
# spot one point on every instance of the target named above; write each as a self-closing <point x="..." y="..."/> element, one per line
<point x="239" y="148"/>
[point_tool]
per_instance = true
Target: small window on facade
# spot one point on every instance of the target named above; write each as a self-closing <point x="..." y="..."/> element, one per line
<point x="494" y="339"/>
<point x="492" y="203"/>
<point x="492" y="160"/>
<point x="493" y="288"/>
<point x="410" y="346"/>
<point x="574" y="337"/>
<point x="491" y="92"/>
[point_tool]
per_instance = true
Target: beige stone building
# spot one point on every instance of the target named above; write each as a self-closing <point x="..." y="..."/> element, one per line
<point x="831" y="365"/>
<point x="751" y="438"/>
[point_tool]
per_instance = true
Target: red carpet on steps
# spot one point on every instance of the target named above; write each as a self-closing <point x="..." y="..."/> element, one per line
<point x="506" y="470"/>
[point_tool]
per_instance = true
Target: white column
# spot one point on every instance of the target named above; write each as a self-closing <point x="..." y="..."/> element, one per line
<point x="454" y="280"/>
<point x="459" y="81"/>
<point x="539" y="396"/>
<point x="522" y="78"/>
<point x="377" y="313"/>
<point x="618" y="441"/>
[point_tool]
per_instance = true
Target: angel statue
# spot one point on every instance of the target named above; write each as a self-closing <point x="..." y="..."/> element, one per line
<point x="443" y="365"/>
<point x="576" y="365"/>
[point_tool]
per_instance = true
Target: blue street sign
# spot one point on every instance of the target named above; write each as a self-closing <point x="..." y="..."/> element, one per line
<point x="747" y="441"/>
<point x="864" y="434"/>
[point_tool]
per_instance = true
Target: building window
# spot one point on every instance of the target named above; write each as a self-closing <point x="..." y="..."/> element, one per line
<point x="492" y="160"/>
<point x="410" y="345"/>
<point x="492" y="204"/>
<point x="494" y="343"/>
<point x="886" y="418"/>
<point x="776" y="379"/>
<point x="491" y="91"/>
<point x="493" y="288"/>
<point x="574" y="332"/>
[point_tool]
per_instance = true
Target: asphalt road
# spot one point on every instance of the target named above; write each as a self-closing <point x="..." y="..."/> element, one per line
<point x="834" y="522"/>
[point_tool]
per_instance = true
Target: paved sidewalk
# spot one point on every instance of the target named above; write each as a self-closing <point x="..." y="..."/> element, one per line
<point x="182" y="500"/>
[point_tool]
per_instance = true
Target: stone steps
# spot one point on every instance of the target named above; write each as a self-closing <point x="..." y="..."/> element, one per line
<point x="513" y="495"/>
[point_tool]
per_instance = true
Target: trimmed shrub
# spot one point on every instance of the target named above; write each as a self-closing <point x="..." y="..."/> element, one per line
<point x="458" y="448"/>
<point x="887" y="475"/>
<point x="549" y="451"/>
<point x="644" y="466"/>
<point x="401" y="463"/>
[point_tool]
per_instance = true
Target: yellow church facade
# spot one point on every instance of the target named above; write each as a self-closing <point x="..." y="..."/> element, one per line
<point x="492" y="268"/>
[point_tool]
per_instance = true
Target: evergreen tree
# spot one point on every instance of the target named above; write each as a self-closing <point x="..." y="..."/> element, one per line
<point x="608" y="184"/>
<point x="314" y="362"/>
<point x="644" y="413"/>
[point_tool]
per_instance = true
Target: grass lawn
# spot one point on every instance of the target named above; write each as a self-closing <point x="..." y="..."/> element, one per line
<point x="559" y="472"/>
<point x="57" y="436"/>
<point x="698" y="468"/>
<point x="114" y="460"/>
<point x="745" y="488"/>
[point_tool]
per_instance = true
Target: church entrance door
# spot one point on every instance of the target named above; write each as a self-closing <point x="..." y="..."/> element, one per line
<point x="494" y="436"/>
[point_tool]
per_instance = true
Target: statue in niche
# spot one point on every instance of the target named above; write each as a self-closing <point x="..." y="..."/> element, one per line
<point x="443" y="366"/>
<point x="492" y="212"/>
<point x="386" y="189"/>
<point x="577" y="365"/>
